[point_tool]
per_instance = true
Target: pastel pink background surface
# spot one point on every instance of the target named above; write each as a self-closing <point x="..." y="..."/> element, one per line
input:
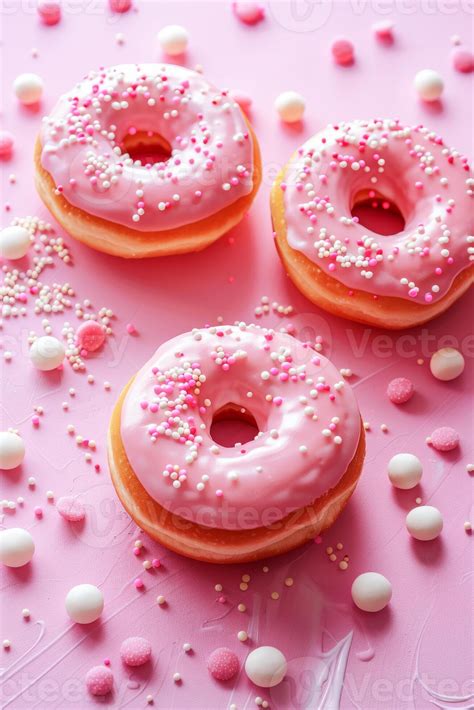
<point x="426" y="632"/>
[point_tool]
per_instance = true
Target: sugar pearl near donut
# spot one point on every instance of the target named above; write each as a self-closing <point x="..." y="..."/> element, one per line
<point x="429" y="85"/>
<point x="28" y="88"/>
<point x="6" y="144"/>
<point x="47" y="353"/>
<point x="342" y="51"/>
<point x="14" y="242"/>
<point x="400" y="390"/>
<point x="16" y="547"/>
<point x="447" y="364"/>
<point x="444" y="438"/>
<point x="135" y="651"/>
<point x="462" y="59"/>
<point x="71" y="509"/>
<point x="99" y="680"/>
<point x="223" y="664"/>
<point x="12" y="450"/>
<point x="173" y="39"/>
<point x="405" y="471"/>
<point x="371" y="591"/>
<point x="90" y="336"/>
<point x="49" y="11"/>
<point x="290" y="106"/>
<point x="424" y="522"/>
<point x="266" y="666"/>
<point x="84" y="603"/>
<point x="248" y="12"/>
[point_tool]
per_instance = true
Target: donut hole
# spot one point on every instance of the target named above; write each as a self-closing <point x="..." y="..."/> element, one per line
<point x="232" y="424"/>
<point x="378" y="213"/>
<point x="146" y="146"/>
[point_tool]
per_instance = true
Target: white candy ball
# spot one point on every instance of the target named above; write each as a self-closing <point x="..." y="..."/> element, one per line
<point x="84" y="603"/>
<point x="47" y="353"/>
<point x="16" y="547"/>
<point x="266" y="666"/>
<point x="173" y="39"/>
<point x="371" y="591"/>
<point x="405" y="471"/>
<point x="14" y="242"/>
<point x="446" y="364"/>
<point x="429" y="85"/>
<point x="424" y="522"/>
<point x="290" y="106"/>
<point x="12" y="450"/>
<point x="28" y="88"/>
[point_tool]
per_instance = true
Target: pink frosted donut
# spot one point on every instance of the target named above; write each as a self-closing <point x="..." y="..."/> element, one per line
<point x="397" y="280"/>
<point x="99" y="680"/>
<point x="307" y="417"/>
<point x="149" y="159"/>
<point x="223" y="664"/>
<point x="135" y="651"/>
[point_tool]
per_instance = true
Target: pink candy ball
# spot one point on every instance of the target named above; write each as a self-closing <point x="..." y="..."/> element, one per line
<point x="223" y="664"/>
<point x="6" y="144"/>
<point x="383" y="30"/>
<point x="444" y="439"/>
<point x="49" y="11"/>
<point x="99" y="680"/>
<point x="70" y="509"/>
<point x="342" y="51"/>
<point x="90" y="336"/>
<point x="400" y="390"/>
<point x="243" y="100"/>
<point x="463" y="59"/>
<point x="120" y="5"/>
<point x="135" y="651"/>
<point x="248" y="12"/>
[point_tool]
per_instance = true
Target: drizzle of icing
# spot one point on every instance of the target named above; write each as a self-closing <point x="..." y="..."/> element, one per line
<point x="84" y="146"/>
<point x="431" y="184"/>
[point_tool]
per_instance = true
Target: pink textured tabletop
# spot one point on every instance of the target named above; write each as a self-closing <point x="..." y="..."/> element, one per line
<point x="418" y="651"/>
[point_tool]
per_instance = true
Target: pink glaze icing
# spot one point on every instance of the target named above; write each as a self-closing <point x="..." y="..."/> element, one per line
<point x="308" y="420"/>
<point x="211" y="161"/>
<point x="431" y="184"/>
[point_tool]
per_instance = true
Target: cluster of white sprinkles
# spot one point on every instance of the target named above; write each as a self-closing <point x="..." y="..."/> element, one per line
<point x="381" y="158"/>
<point x="177" y="401"/>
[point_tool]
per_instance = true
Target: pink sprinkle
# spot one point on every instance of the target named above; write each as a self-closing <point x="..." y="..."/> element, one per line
<point x="135" y="651"/>
<point x="222" y="600"/>
<point x="6" y="144"/>
<point x="242" y="99"/>
<point x="444" y="439"/>
<point x="137" y="551"/>
<point x="49" y="11"/>
<point x="35" y="420"/>
<point x="248" y="12"/>
<point x="156" y="563"/>
<point x="90" y="336"/>
<point x="342" y="51"/>
<point x="383" y="30"/>
<point x="71" y="509"/>
<point x="99" y="680"/>
<point x="39" y="512"/>
<point x="120" y="5"/>
<point x="131" y="330"/>
<point x="463" y="60"/>
<point x="106" y="661"/>
<point x="138" y="583"/>
<point x="219" y="493"/>
<point x="223" y="664"/>
<point x="400" y="390"/>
